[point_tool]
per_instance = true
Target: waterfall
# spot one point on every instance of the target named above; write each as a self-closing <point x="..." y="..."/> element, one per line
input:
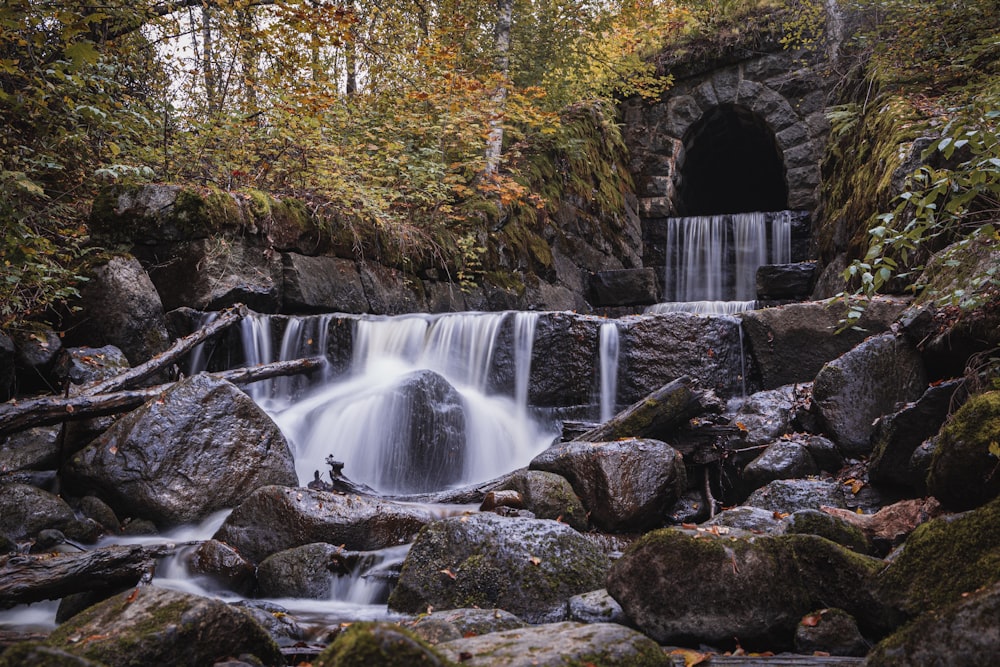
<point x="712" y="261"/>
<point x="524" y="340"/>
<point x="303" y="336"/>
<point x="415" y="414"/>
<point x="608" y="369"/>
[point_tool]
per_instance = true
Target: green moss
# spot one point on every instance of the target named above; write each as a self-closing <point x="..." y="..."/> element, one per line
<point x="943" y="559"/>
<point x="378" y="645"/>
<point x="965" y="470"/>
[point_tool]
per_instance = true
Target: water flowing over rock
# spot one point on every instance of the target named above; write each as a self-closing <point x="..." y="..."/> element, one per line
<point x="558" y="644"/>
<point x="123" y="309"/>
<point x="202" y="446"/>
<point x="300" y="572"/>
<point x="156" y="626"/>
<point x="276" y="518"/>
<point x="529" y="567"/>
<point x="697" y="588"/>
<point x="626" y="485"/>
<point x="791" y="343"/>
<point x="865" y="383"/>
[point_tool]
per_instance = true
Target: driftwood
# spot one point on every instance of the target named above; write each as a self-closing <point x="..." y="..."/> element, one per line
<point x="32" y="578"/>
<point x="657" y="415"/>
<point x="18" y="416"/>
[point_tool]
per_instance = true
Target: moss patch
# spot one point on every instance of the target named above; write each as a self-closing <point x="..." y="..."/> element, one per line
<point x="378" y="645"/>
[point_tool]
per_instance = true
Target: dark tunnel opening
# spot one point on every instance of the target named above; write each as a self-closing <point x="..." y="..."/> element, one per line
<point x="732" y="165"/>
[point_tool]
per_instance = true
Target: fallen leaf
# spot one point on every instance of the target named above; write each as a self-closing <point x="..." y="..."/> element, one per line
<point x="535" y="560"/>
<point x="811" y="620"/>
<point x="691" y="658"/>
<point x="448" y="572"/>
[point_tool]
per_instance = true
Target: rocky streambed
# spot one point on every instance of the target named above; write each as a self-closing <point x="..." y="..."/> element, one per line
<point x="843" y="511"/>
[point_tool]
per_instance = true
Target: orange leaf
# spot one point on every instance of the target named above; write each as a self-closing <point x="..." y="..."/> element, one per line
<point x="448" y="572"/>
<point x="811" y="621"/>
<point x="691" y="658"/>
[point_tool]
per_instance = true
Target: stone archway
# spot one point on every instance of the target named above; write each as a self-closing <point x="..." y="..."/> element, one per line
<point x="731" y="163"/>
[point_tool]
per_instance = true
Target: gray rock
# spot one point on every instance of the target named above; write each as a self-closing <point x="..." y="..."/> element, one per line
<point x="7" y="374"/>
<point x="562" y="360"/>
<point x="80" y="366"/>
<point x="34" y="449"/>
<point x="626" y="485"/>
<point x="202" y="446"/>
<point x="27" y="510"/>
<point x="155" y="626"/>
<point x="327" y="284"/>
<point x="35" y="653"/>
<point x="747" y="518"/>
<point x="442" y="626"/>
<point x="897" y="436"/>
<point x="792" y="343"/>
<point x="223" y="565"/>
<point x="558" y="644"/>
<point x="121" y="307"/>
<point x="529" y="567"/>
<point x="823" y="451"/>
<point x="698" y="588"/>
<point x="786" y="281"/>
<point x="376" y="644"/>
<point x="596" y="607"/>
<point x="299" y="572"/>
<point x="276" y="518"/>
<point x="783" y="459"/>
<point x="767" y="415"/>
<point x="821" y="524"/>
<point x="36" y="354"/>
<point x="831" y="631"/>
<point x="275" y="619"/>
<point x="549" y="496"/>
<point x="390" y="292"/>
<point x="865" y="383"/>
<point x="792" y="495"/>
<point x="624" y="287"/>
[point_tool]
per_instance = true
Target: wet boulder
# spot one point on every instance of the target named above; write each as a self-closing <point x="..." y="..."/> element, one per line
<point x="33" y="449"/>
<point x="831" y="632"/>
<point x="865" y="383"/>
<point x="26" y="510"/>
<point x="322" y="284"/>
<point x="275" y="518"/>
<point x="548" y="496"/>
<point x="429" y="450"/>
<point x="222" y="564"/>
<point x="943" y="560"/>
<point x="379" y="645"/>
<point x="965" y="470"/>
<point x="81" y="366"/>
<point x="36" y="353"/>
<point x="442" y="626"/>
<point x="791" y="343"/>
<point x="596" y="607"/>
<point x="40" y="655"/>
<point x="747" y="518"/>
<point x="562" y="360"/>
<point x="681" y="587"/>
<point x="783" y="459"/>
<point x="156" y="626"/>
<point x="300" y="572"/>
<point x="768" y="415"/>
<point x="202" y="446"/>
<point x="558" y="644"/>
<point x="962" y="633"/>
<point x="626" y="485"/>
<point x="120" y="307"/>
<point x="791" y="495"/>
<point x="897" y="436"/>
<point x="834" y="528"/>
<point x="529" y="567"/>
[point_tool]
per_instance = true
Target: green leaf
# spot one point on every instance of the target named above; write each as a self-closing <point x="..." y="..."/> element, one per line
<point x="82" y="53"/>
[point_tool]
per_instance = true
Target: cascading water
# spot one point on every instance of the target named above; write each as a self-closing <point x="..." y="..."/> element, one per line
<point x="608" y="369"/>
<point x="712" y="261"/>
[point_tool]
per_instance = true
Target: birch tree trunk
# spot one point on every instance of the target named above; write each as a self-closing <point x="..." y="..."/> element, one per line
<point x="494" y="142"/>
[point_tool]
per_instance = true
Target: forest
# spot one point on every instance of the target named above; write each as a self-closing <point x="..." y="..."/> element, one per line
<point x="412" y="121"/>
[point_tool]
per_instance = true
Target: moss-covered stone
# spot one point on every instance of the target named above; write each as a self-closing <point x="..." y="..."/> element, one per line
<point x="944" y="559"/>
<point x="816" y="522"/>
<point x="379" y="645"/>
<point x="38" y="654"/>
<point x="965" y="470"/>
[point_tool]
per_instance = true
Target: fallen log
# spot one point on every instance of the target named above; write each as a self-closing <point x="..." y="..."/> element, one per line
<point x="657" y="415"/>
<point x="22" y="415"/>
<point x="181" y="346"/>
<point x="36" y="577"/>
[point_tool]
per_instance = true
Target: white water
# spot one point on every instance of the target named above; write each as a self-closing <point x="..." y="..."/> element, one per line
<point x="608" y="369"/>
<point x="712" y="261"/>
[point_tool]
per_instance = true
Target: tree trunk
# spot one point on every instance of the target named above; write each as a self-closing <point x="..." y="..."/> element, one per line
<point x="494" y="141"/>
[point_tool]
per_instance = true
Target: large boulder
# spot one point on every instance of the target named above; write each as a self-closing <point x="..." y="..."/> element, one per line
<point x="791" y="495"/>
<point x="325" y="284"/>
<point x="696" y="588"/>
<point x="556" y="645"/>
<point x="897" y="436"/>
<point x="120" y="307"/>
<point x="548" y="496"/>
<point x="25" y="510"/>
<point x="783" y="459"/>
<point x="202" y="446"/>
<point x="656" y="349"/>
<point x="379" y="645"/>
<point x="529" y="567"/>
<point x="562" y="360"/>
<point x="626" y="485"/>
<point x="156" y="626"/>
<point x="943" y="560"/>
<point x="277" y="518"/>
<point x="963" y="633"/>
<point x="965" y="470"/>
<point x="791" y="343"/>
<point x="865" y="383"/>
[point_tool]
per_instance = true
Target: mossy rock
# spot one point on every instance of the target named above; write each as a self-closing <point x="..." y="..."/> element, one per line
<point x="816" y="522"/>
<point x="965" y="470"/>
<point x="963" y="633"/>
<point x="379" y="645"/>
<point x="38" y="654"/>
<point x="156" y="626"/>
<point x="944" y="559"/>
